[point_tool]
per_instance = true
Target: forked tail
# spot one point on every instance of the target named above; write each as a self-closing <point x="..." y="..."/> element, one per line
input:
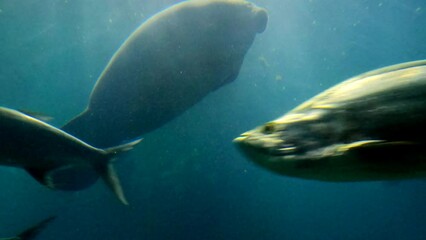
<point x="107" y="171"/>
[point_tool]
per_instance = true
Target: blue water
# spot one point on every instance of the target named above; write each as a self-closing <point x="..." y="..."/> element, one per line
<point x="186" y="180"/>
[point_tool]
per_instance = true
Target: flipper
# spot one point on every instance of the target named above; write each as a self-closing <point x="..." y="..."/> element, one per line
<point x="32" y="232"/>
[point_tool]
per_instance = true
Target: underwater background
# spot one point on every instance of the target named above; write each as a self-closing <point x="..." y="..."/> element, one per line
<point x="186" y="180"/>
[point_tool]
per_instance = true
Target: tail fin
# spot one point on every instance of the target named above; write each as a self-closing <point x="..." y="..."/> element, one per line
<point x="32" y="232"/>
<point x="107" y="171"/>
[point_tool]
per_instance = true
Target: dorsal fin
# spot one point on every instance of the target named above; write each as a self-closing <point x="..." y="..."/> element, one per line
<point x="32" y="232"/>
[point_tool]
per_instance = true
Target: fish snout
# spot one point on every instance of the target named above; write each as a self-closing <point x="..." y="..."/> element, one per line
<point x="256" y="138"/>
<point x="242" y="138"/>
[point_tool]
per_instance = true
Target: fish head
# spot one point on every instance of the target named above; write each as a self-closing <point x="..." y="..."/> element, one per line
<point x="365" y="128"/>
<point x="298" y="144"/>
<point x="318" y="145"/>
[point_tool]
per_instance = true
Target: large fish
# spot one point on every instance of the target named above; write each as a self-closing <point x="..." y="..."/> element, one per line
<point x="53" y="157"/>
<point x="167" y="65"/>
<point x="370" y="127"/>
<point x="32" y="232"/>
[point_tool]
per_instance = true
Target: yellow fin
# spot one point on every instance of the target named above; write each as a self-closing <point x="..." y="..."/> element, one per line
<point x="349" y="146"/>
<point x="370" y="143"/>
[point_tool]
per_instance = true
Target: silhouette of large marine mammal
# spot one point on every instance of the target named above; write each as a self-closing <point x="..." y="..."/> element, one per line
<point x="166" y="66"/>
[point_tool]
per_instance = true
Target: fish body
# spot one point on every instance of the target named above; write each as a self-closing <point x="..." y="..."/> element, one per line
<point x="369" y="127"/>
<point x="53" y="157"/>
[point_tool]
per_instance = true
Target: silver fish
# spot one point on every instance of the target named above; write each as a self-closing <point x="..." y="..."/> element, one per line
<point x="53" y="157"/>
<point x="370" y="127"/>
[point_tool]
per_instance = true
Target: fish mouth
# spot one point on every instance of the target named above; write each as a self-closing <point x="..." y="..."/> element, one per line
<point x="254" y="144"/>
<point x="246" y="143"/>
<point x="242" y="138"/>
<point x="266" y="158"/>
<point x="249" y="150"/>
<point x="268" y="144"/>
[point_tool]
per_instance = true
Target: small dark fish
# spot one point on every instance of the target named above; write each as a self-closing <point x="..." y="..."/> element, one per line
<point x="53" y="157"/>
<point x="32" y="232"/>
<point x="370" y="127"/>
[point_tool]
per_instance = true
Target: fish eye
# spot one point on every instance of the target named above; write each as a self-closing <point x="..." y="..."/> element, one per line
<point x="268" y="128"/>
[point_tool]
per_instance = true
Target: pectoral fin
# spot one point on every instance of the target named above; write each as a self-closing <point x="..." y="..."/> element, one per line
<point x="369" y="144"/>
<point x="385" y="153"/>
<point x="359" y="144"/>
